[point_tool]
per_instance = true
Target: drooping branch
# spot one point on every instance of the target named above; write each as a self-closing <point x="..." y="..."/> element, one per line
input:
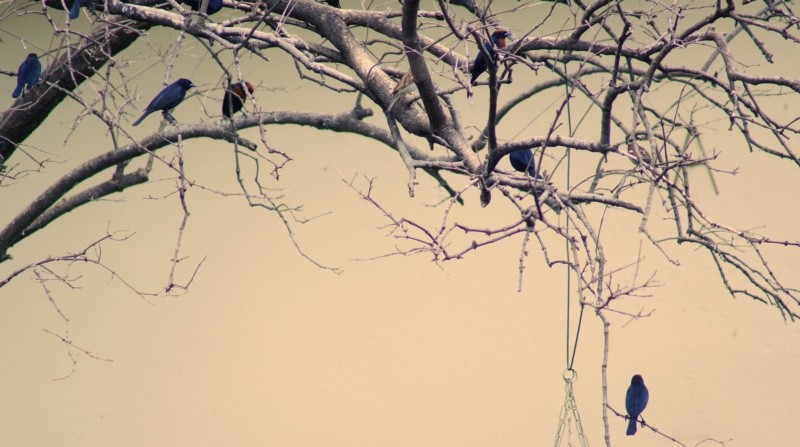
<point x="42" y="211"/>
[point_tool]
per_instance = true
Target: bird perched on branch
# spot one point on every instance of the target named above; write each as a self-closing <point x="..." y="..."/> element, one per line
<point x="214" y="6"/>
<point x="635" y="401"/>
<point x="643" y="154"/>
<point x="169" y="98"/>
<point x="522" y="161"/>
<point x="405" y="85"/>
<point x="481" y="62"/>
<point x="234" y="98"/>
<point x="28" y="74"/>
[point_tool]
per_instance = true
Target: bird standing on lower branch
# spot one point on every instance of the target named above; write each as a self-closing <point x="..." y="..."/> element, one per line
<point x="28" y="74"/>
<point x="481" y="62"/>
<point x="234" y="98"/>
<point x="635" y="401"/>
<point x="169" y="98"/>
<point x="522" y="161"/>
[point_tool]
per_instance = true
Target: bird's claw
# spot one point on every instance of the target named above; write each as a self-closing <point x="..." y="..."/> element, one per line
<point x="170" y="119"/>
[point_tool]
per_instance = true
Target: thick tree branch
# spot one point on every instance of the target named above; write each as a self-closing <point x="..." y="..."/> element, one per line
<point x="67" y="71"/>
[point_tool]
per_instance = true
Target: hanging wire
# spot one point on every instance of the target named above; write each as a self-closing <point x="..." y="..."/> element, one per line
<point x="570" y="360"/>
<point x="569" y="411"/>
<point x="569" y="418"/>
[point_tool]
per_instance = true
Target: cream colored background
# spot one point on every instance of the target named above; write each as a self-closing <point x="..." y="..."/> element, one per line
<point x="266" y="349"/>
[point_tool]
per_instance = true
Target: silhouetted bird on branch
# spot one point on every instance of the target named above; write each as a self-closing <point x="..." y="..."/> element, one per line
<point x="522" y="161"/>
<point x="28" y="74"/>
<point x="635" y="401"/>
<point x="167" y="99"/>
<point x="234" y="98"/>
<point x="481" y="62"/>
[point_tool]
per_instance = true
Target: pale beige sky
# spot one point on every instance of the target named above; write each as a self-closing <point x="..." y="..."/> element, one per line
<point x="266" y="349"/>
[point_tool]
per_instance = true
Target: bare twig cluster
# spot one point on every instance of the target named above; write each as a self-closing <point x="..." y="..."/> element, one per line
<point x="637" y="91"/>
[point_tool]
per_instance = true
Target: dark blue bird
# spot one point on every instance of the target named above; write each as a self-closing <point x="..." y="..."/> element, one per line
<point x="75" y="11"/>
<point x="635" y="401"/>
<point x="481" y="63"/>
<point x="522" y="161"/>
<point x="28" y="74"/>
<point x="167" y="99"/>
<point x="214" y="6"/>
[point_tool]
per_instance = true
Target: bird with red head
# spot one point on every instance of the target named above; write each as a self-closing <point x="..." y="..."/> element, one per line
<point x="481" y="62"/>
<point x="234" y="98"/>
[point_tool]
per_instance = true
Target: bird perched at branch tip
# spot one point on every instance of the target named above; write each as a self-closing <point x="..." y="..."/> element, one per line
<point x="635" y="401"/>
<point x="522" y="161"/>
<point x="169" y="98"/>
<point x="234" y="98"/>
<point x="214" y="6"/>
<point x="481" y="62"/>
<point x="28" y="74"/>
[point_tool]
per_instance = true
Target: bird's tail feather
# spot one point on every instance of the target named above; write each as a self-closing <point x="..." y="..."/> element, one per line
<point x="17" y="91"/>
<point x="391" y="104"/>
<point x="144" y="115"/>
<point x="76" y="10"/>
<point x="631" y="426"/>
